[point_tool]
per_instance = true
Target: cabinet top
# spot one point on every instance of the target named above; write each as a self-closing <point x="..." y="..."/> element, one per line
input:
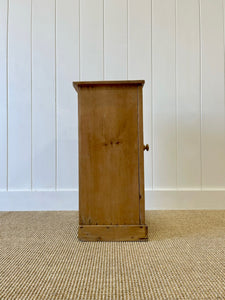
<point x="78" y="84"/>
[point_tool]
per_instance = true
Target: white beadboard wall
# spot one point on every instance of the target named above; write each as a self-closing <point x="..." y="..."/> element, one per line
<point x="177" y="46"/>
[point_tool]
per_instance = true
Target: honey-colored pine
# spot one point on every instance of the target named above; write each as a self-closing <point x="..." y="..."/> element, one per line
<point x="113" y="232"/>
<point x="111" y="161"/>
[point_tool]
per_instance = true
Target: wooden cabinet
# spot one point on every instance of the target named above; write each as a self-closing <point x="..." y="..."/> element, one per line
<point x="111" y="161"/>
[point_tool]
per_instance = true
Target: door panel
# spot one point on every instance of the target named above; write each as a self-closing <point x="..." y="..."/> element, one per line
<point x="108" y="155"/>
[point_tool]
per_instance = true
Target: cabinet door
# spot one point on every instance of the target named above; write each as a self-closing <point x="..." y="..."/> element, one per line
<point x="109" y="144"/>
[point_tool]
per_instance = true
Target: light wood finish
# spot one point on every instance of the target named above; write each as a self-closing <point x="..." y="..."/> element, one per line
<point x="141" y="157"/>
<point x="113" y="232"/>
<point x="78" y="84"/>
<point x="111" y="162"/>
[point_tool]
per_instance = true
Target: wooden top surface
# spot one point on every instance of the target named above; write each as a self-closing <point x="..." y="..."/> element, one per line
<point x="78" y="84"/>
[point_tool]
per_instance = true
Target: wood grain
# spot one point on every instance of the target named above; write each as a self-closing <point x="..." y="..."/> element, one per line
<point x="113" y="232"/>
<point x="77" y="84"/>
<point x="108" y="155"/>
<point x="111" y="162"/>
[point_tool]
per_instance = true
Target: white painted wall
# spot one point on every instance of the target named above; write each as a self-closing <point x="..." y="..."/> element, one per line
<point x="177" y="46"/>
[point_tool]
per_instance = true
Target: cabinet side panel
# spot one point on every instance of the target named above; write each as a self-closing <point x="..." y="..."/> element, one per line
<point x="108" y="155"/>
<point x="141" y="157"/>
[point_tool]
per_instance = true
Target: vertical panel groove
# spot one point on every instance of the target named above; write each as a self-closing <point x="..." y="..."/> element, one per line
<point x="200" y="74"/>
<point x="213" y="172"/>
<point x="103" y="31"/>
<point x="31" y="96"/>
<point x="152" y="114"/>
<point x="56" y="139"/>
<point x="91" y="39"/>
<point x="176" y="98"/>
<point x="224" y="67"/>
<point x="7" y="98"/>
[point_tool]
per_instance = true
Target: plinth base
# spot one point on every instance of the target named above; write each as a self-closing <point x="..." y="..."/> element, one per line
<point x="113" y="232"/>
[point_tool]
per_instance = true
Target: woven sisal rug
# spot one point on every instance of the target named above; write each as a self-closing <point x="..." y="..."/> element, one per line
<point x="41" y="258"/>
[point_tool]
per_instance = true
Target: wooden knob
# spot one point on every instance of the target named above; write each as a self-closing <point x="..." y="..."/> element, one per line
<point x="146" y="147"/>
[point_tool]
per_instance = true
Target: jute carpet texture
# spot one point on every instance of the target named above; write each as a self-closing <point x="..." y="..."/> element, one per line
<point x="41" y="258"/>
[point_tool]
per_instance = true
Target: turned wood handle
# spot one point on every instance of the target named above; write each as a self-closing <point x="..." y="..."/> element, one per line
<point x="146" y="147"/>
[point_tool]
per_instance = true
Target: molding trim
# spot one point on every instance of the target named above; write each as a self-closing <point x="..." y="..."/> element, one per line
<point x="154" y="200"/>
<point x="38" y="200"/>
<point x="184" y="199"/>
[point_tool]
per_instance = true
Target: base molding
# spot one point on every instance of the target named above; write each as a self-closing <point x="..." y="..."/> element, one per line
<point x="154" y="200"/>
<point x="184" y="199"/>
<point x="113" y="233"/>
